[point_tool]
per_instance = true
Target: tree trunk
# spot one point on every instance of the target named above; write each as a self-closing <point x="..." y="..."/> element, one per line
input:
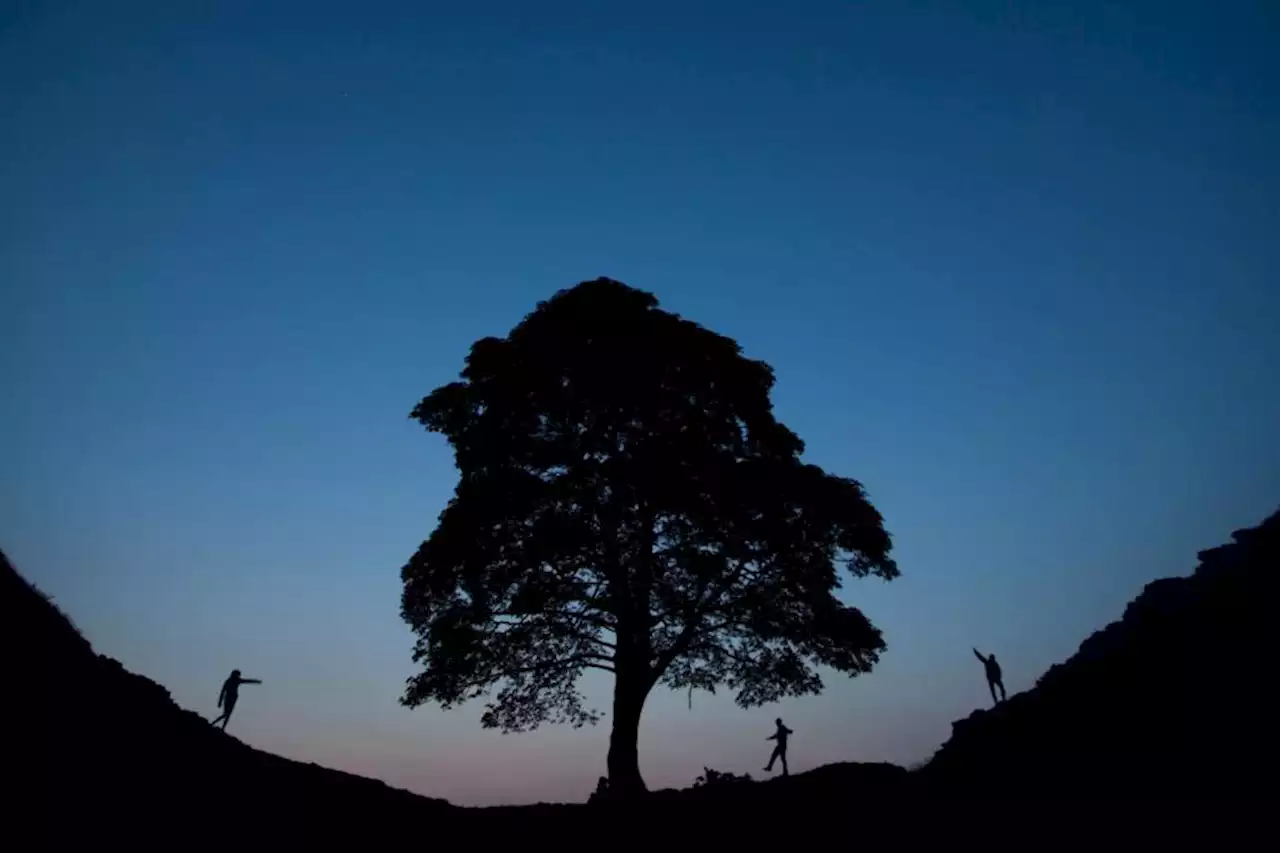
<point x="624" y="754"/>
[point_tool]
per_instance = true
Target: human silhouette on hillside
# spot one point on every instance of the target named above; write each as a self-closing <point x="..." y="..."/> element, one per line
<point x="779" y="751"/>
<point x="994" y="678"/>
<point x="229" y="694"/>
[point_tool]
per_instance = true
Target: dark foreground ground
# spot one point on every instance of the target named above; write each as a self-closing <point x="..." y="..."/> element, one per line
<point x="1161" y="725"/>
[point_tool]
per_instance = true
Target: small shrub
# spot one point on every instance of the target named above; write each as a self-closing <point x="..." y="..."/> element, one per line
<point x="714" y="778"/>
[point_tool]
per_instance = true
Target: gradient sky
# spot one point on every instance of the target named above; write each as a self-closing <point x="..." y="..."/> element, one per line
<point x="1014" y="263"/>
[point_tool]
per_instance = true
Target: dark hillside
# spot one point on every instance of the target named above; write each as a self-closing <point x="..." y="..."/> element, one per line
<point x="1174" y="698"/>
<point x="110" y="754"/>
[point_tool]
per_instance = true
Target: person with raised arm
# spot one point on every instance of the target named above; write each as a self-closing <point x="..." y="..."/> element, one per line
<point x="229" y="694"/>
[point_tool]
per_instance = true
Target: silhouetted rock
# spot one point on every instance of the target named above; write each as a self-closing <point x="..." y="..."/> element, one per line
<point x="1173" y="699"/>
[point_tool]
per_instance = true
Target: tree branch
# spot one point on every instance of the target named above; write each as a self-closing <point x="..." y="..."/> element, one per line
<point x="585" y="638"/>
<point x="522" y="619"/>
<point x="587" y="660"/>
<point x="699" y="611"/>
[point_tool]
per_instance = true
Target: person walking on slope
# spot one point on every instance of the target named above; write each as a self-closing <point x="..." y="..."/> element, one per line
<point x="994" y="678"/>
<point x="229" y="694"/>
<point x="779" y="751"/>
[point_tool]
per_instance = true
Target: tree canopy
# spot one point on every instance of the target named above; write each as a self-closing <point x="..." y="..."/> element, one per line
<point x="628" y="502"/>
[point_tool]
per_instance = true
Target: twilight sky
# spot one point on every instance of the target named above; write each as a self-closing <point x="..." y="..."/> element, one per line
<point x="1014" y="263"/>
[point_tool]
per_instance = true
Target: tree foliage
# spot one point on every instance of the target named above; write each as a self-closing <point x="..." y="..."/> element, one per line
<point x="628" y="502"/>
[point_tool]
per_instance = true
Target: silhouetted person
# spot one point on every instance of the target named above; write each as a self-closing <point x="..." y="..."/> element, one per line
<point x="994" y="678"/>
<point x="779" y="751"/>
<point x="229" y="694"/>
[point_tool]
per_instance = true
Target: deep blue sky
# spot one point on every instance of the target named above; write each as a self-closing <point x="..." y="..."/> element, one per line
<point x="1015" y="265"/>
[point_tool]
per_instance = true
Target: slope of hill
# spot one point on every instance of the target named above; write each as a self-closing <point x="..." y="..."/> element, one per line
<point x="106" y="753"/>
<point x="1173" y="699"/>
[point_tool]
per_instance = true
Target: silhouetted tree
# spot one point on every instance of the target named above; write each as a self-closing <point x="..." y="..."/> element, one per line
<point x="628" y="502"/>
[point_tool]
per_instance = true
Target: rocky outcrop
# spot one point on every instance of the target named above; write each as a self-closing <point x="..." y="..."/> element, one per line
<point x="1173" y="698"/>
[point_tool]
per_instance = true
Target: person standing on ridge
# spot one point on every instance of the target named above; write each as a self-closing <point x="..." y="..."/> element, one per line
<point x="779" y="751"/>
<point x="994" y="677"/>
<point x="229" y="694"/>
